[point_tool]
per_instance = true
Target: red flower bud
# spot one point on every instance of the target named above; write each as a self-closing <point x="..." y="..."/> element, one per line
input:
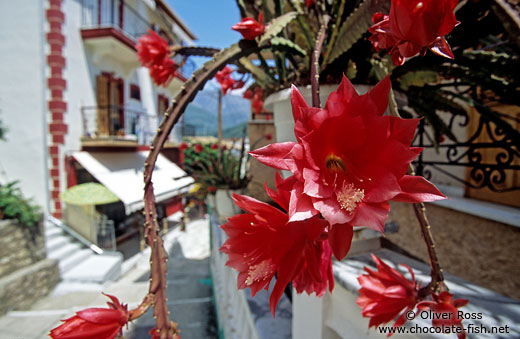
<point x="268" y="136"/>
<point x="250" y="28"/>
<point x="94" y="322"/>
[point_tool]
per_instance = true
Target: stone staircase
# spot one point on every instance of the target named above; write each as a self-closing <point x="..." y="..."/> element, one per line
<point x="77" y="263"/>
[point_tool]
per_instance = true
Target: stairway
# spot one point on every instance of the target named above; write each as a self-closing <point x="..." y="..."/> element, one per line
<point x="77" y="263"/>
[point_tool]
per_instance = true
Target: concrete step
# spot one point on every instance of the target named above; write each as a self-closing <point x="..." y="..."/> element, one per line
<point x="51" y="232"/>
<point x="56" y="242"/>
<point x="73" y="260"/>
<point x="96" y="269"/>
<point x="64" y="251"/>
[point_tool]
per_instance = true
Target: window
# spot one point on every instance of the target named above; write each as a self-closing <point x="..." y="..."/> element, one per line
<point x="135" y="92"/>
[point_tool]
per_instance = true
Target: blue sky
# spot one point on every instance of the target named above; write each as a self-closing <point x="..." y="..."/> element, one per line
<point x="209" y="20"/>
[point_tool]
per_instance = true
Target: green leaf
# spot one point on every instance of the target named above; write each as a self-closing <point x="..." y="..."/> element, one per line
<point x="354" y="27"/>
<point x="258" y="73"/>
<point x="277" y="25"/>
<point x="279" y="41"/>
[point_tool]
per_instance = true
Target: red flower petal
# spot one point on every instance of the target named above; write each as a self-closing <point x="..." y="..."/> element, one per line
<point x="340" y="239"/>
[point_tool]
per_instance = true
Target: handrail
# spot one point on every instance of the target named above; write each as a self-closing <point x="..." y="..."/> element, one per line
<point x="94" y="248"/>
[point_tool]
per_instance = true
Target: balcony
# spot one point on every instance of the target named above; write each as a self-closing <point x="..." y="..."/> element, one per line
<point x="111" y="27"/>
<point x="116" y="126"/>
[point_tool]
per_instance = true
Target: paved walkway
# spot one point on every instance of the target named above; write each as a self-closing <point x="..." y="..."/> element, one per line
<point x="189" y="293"/>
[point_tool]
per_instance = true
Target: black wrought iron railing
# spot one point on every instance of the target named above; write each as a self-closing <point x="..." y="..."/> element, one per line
<point x="118" y="121"/>
<point x="486" y="153"/>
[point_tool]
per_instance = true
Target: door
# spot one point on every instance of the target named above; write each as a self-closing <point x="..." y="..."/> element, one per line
<point x="110" y="100"/>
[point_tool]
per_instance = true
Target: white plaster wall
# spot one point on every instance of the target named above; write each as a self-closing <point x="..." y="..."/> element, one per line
<point x="79" y="76"/>
<point x="22" y="102"/>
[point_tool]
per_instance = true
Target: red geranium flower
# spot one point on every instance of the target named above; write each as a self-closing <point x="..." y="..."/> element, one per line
<point x="444" y="304"/>
<point x="198" y="148"/>
<point x="414" y="26"/>
<point x="183" y="146"/>
<point x="152" y="49"/>
<point x="163" y="73"/>
<point x="214" y="146"/>
<point x="94" y="322"/>
<point x="264" y="242"/>
<point x="385" y="294"/>
<point x="348" y="162"/>
<point x="250" y="28"/>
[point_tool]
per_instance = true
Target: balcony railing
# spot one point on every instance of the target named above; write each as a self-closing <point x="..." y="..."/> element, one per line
<point x="118" y="122"/>
<point x="114" y="14"/>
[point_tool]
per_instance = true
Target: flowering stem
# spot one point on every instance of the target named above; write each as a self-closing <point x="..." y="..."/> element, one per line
<point x="158" y="257"/>
<point x="420" y="213"/>
<point x="315" y="65"/>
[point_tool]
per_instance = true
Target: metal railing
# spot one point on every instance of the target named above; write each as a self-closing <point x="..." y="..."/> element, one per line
<point x="120" y="122"/>
<point x="94" y="248"/>
<point x="489" y="153"/>
<point x="116" y="14"/>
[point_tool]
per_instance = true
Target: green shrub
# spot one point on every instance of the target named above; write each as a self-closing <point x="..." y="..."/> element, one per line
<point x="14" y="206"/>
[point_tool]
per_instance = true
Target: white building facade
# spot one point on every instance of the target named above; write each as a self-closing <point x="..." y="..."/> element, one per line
<point x="71" y="80"/>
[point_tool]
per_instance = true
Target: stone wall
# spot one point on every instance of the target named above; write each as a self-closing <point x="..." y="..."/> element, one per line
<point x="476" y="249"/>
<point x="19" y="290"/>
<point x="19" y="246"/>
<point x="25" y="274"/>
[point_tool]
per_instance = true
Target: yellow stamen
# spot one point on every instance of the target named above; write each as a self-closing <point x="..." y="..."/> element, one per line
<point x="349" y="196"/>
<point x="259" y="272"/>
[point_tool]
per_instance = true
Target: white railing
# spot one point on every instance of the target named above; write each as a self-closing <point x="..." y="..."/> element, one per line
<point x="233" y="313"/>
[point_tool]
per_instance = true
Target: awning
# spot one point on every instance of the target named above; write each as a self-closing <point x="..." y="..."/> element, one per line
<point x="122" y="173"/>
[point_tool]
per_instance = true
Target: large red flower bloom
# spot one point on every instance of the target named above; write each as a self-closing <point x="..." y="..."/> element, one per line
<point x="264" y="242"/>
<point x="152" y="49"/>
<point x="164" y="72"/>
<point x="348" y="162"/>
<point x="385" y="294"/>
<point x="100" y="323"/>
<point x="225" y="80"/>
<point x="444" y="304"/>
<point x="414" y="26"/>
<point x="250" y="28"/>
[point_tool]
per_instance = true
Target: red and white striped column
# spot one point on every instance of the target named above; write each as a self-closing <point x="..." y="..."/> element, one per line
<point x="56" y="85"/>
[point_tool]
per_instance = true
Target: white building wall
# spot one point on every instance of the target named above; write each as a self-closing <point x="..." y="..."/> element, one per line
<point x="22" y="101"/>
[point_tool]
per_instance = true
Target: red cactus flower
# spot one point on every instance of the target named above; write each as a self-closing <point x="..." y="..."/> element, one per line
<point x="257" y="102"/>
<point x="263" y="242"/>
<point x="250" y="28"/>
<point x="386" y="294"/>
<point x="444" y="304"/>
<point x="152" y="49"/>
<point x="163" y="73"/>
<point x="198" y="148"/>
<point x="248" y="94"/>
<point x="348" y="162"/>
<point x="224" y="79"/>
<point x="414" y="26"/>
<point x="94" y="322"/>
<point x="183" y="146"/>
<point x="214" y="146"/>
